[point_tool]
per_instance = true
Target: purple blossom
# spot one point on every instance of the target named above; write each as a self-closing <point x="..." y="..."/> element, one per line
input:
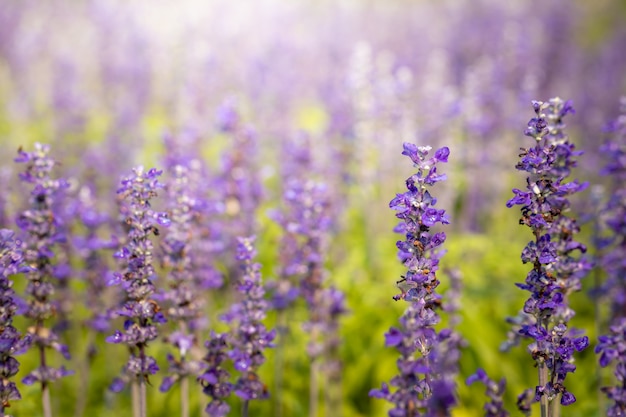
<point x="42" y="232"/>
<point x="494" y="391"/>
<point x="11" y="341"/>
<point x="249" y="337"/>
<point x="423" y="366"/>
<point x="237" y="192"/>
<point x="215" y="379"/>
<point x="557" y="270"/>
<point x="612" y="346"/>
<point x="90" y="247"/>
<point x="140" y="311"/>
<point x="184" y="301"/>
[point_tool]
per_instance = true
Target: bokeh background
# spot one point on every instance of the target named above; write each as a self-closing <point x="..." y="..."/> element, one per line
<point x="104" y="81"/>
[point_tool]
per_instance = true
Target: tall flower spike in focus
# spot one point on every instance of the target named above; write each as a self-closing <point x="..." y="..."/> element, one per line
<point x="11" y="341"/>
<point x="556" y="271"/>
<point x="141" y="313"/>
<point x="612" y="346"/>
<point x="249" y="337"/>
<point x="42" y="233"/>
<point x="416" y="339"/>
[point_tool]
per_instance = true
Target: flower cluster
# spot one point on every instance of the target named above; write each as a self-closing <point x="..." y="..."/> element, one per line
<point x="495" y="391"/>
<point x="90" y="247"/>
<point x="215" y="379"/>
<point x="556" y="272"/>
<point x="183" y="298"/>
<point x="416" y="339"/>
<point x="239" y="189"/>
<point x="612" y="346"/>
<point x="141" y="313"/>
<point x="42" y="231"/>
<point x="11" y="341"/>
<point x="249" y="337"/>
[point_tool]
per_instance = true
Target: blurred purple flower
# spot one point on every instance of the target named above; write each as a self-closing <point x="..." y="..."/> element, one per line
<point x="42" y="231"/>
<point x="215" y="379"/>
<point x="612" y="346"/>
<point x="249" y="337"/>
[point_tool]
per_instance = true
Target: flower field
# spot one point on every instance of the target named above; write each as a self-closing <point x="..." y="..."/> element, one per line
<point x="298" y="208"/>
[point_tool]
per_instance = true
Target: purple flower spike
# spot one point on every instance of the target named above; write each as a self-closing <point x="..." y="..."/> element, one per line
<point x="249" y="337"/>
<point x="215" y="378"/>
<point x="556" y="271"/>
<point x="11" y="341"/>
<point x="612" y="346"/>
<point x="42" y="232"/>
<point x="184" y="297"/>
<point x="428" y="361"/>
<point x="142" y="313"/>
<point x="495" y="392"/>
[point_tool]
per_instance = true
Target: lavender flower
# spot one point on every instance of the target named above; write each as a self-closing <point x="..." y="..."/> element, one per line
<point x="556" y="271"/>
<point x="89" y="247"/>
<point x="612" y="346"/>
<point x="183" y="299"/>
<point x="416" y="339"/>
<point x="307" y="221"/>
<point x="495" y="391"/>
<point x="238" y="186"/>
<point x="42" y="231"/>
<point x="249" y="337"/>
<point x="11" y="341"/>
<point x="215" y="379"/>
<point x="140" y="311"/>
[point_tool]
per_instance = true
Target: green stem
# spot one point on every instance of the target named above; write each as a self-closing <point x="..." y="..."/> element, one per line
<point x="134" y="393"/>
<point x="184" y="396"/>
<point x="556" y="406"/>
<point x="142" y="398"/>
<point x="45" y="388"/>
<point x="244" y="408"/>
<point x="543" y="380"/>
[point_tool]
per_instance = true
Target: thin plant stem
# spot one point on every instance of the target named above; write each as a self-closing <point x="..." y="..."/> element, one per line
<point x="142" y="397"/>
<point x="134" y="392"/>
<point x="45" y="396"/>
<point x="556" y="406"/>
<point x="244" y="408"/>
<point x="45" y="389"/>
<point x="543" y="380"/>
<point x="81" y="403"/>
<point x="184" y="396"/>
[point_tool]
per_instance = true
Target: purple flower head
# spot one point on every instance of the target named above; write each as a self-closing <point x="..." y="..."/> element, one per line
<point x="11" y="341"/>
<point x="91" y="247"/>
<point x="612" y="346"/>
<point x="183" y="298"/>
<point x="43" y="231"/>
<point x="215" y="379"/>
<point x="142" y="313"/>
<point x="249" y="337"/>
<point x="427" y="360"/>
<point x="306" y="222"/>
<point x="557" y="270"/>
